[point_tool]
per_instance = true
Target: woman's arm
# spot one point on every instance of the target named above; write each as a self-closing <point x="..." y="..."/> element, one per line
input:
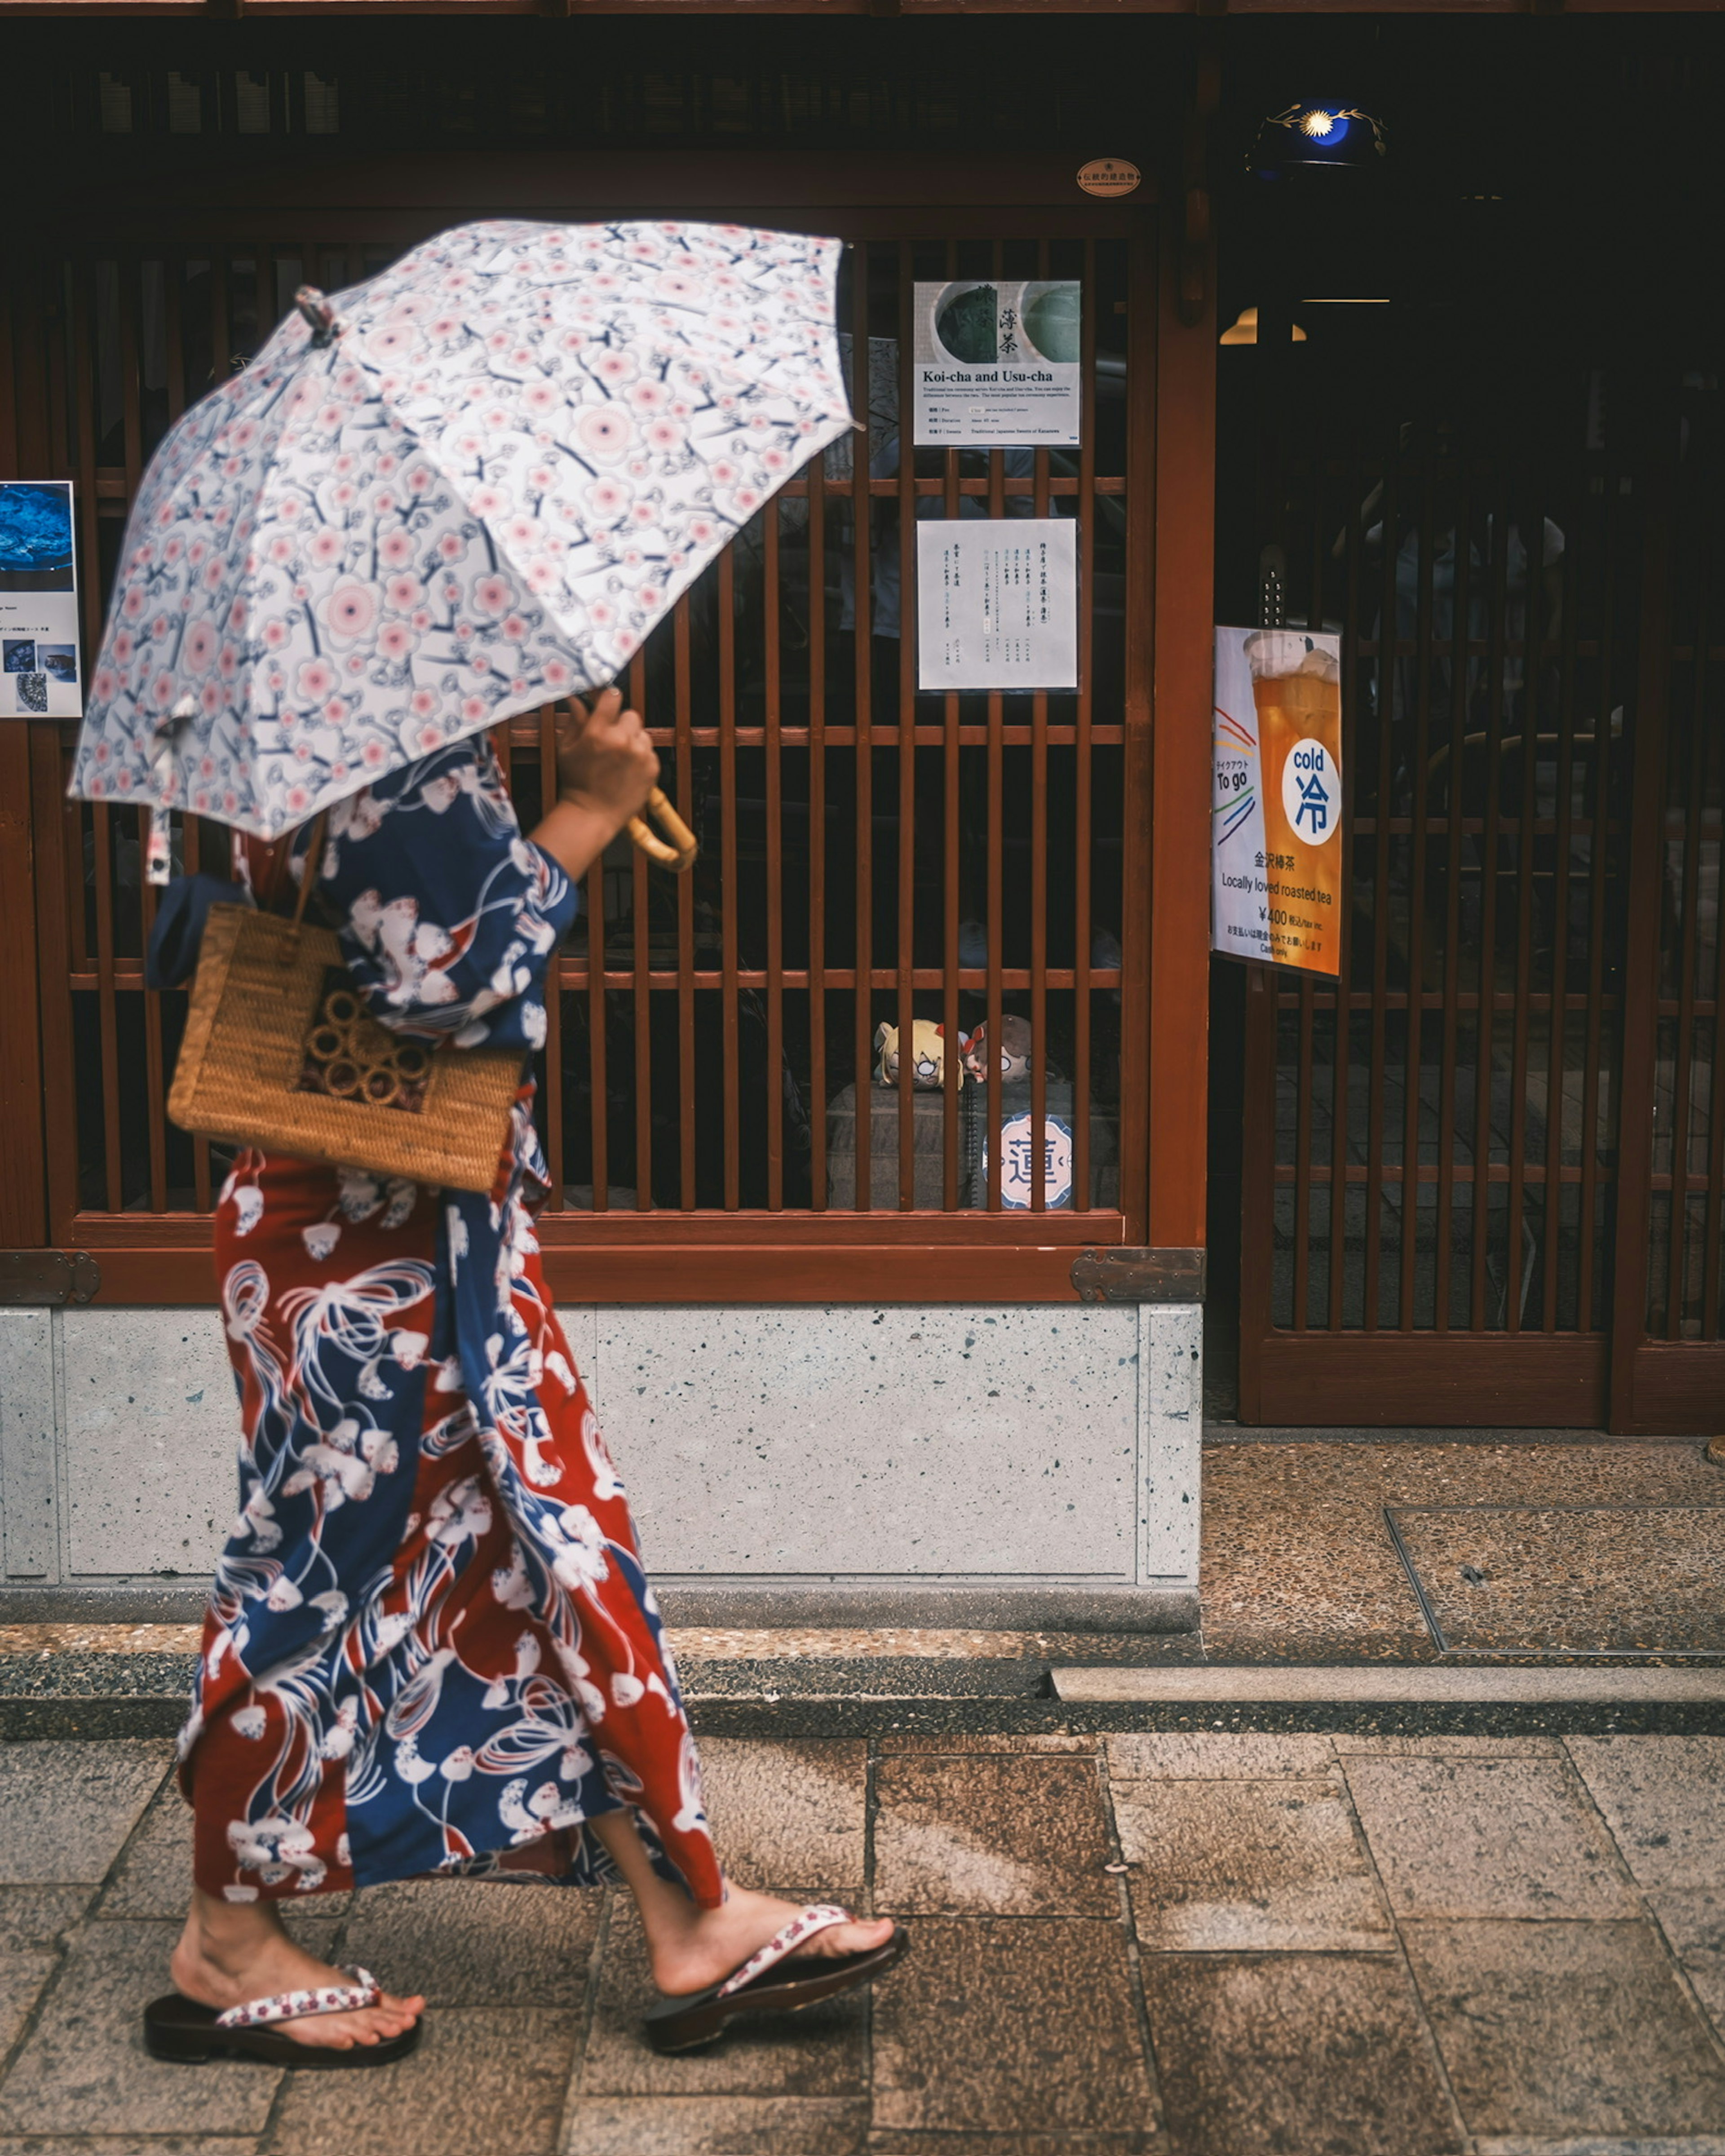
<point x="606" y="769"/>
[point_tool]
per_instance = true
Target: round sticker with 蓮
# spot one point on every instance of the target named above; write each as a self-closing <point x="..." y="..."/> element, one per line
<point x="1312" y="792"/>
<point x="1109" y="176"/>
<point x="1018" y="1162"/>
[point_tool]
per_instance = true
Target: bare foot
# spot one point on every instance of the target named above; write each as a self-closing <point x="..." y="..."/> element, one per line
<point x="231" y="1952"/>
<point x="709" y="1944"/>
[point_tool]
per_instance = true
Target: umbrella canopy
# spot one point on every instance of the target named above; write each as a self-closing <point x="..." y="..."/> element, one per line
<point x="462" y="490"/>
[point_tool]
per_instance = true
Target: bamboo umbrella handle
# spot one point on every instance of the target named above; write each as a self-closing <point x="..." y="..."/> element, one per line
<point x="679" y="855"/>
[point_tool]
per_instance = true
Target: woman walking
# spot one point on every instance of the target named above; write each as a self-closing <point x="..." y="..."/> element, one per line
<point x="431" y="1647"/>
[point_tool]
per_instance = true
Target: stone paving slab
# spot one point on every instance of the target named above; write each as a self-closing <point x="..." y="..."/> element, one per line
<point x="1567" y="2028"/>
<point x="1296" y="2053"/>
<point x="992" y="1836"/>
<point x="1011" y="2024"/>
<point x="716" y="2126"/>
<point x="1239" y="1866"/>
<point x="476" y="1943"/>
<point x="1246" y="1956"/>
<point x="128" y="2144"/>
<point x="1146" y="2144"/>
<point x="66" y="1810"/>
<point x="1664" y="1800"/>
<point x="1167" y="1756"/>
<point x="40" y="1915"/>
<point x="1693" y="1921"/>
<point x="1503" y="1837"/>
<point x="484" y="2082"/>
<point x="789" y="1811"/>
<point x="83" y="2065"/>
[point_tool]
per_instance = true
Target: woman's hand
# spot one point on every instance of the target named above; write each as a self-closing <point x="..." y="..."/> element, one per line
<point x="605" y="760"/>
<point x="606" y="769"/>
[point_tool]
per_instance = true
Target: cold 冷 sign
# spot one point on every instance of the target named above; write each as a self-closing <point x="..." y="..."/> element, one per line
<point x="1276" y="807"/>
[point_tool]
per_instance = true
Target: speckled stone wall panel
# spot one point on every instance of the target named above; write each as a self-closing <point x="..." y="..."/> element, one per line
<point x="149" y="1440"/>
<point x="28" y="1482"/>
<point x="1170" y="1424"/>
<point x="959" y="1449"/>
<point x="906" y="1442"/>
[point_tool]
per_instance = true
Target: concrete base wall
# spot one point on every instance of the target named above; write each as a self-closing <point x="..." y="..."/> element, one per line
<point x="1012" y="1467"/>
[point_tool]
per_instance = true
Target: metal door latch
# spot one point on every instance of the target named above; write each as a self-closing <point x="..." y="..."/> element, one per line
<point x="55" y="1278"/>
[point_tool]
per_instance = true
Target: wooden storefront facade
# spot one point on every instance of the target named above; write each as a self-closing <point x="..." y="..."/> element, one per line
<point x="1482" y="1182"/>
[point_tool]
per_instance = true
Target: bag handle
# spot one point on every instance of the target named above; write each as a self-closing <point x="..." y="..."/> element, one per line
<point x="309" y="876"/>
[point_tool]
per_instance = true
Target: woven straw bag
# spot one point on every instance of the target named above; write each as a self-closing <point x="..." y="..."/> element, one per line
<point x="279" y="1051"/>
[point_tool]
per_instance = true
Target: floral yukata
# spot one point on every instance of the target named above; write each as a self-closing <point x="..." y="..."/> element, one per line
<point x="430" y="1645"/>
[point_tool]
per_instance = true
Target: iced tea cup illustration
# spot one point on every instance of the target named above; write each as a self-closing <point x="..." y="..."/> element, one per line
<point x="1297" y="692"/>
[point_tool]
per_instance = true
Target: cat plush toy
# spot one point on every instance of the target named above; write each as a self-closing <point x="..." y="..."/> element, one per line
<point x="928" y="1054"/>
<point x="1014" y="1059"/>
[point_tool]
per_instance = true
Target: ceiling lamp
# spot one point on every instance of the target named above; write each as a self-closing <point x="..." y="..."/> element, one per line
<point x="1245" y="329"/>
<point x="1337" y="138"/>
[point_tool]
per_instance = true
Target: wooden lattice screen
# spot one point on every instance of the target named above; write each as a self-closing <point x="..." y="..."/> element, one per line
<point x="871" y="853"/>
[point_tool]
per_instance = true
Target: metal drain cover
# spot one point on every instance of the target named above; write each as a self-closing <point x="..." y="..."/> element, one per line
<point x="1522" y="1579"/>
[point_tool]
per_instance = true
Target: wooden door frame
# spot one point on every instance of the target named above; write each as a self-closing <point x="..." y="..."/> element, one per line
<point x="1166" y="913"/>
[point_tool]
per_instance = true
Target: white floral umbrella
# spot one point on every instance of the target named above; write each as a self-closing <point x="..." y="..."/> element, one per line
<point x="459" y="491"/>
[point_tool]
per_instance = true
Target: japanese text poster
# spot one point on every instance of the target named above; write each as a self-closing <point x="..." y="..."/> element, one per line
<point x="996" y="601"/>
<point x="1277" y="874"/>
<point x="39" y="673"/>
<point x="998" y="362"/>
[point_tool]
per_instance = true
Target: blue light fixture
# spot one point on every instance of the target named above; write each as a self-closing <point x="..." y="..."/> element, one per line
<point x="1318" y="137"/>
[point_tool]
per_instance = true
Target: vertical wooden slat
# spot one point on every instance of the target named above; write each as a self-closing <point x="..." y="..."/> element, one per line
<point x="728" y="847"/>
<point x="907" y="741"/>
<point x="643" y="986"/>
<point x="1558" y="1046"/>
<point x="1462" y="551"/>
<point x="1307" y="1026"/>
<point x="1038" y="864"/>
<point x="1594" y="1140"/>
<point x="1089" y="298"/>
<point x="106" y="1007"/>
<point x="862" y="573"/>
<point x="599" y="1103"/>
<point x="221" y="329"/>
<point x="1684" y="1045"/>
<point x="1533" y="545"/>
<point x="1341" y="1044"/>
<point x="24" y="1107"/>
<point x="1378" y="1067"/>
<point x="1657" y="425"/>
<point x="553" y="990"/>
<point x="130" y="301"/>
<point x="951" y="833"/>
<point x="173" y="298"/>
<point x="90" y="568"/>
<point x="1413" y="1044"/>
<point x="996" y="859"/>
<point x="55" y="822"/>
<point x="1171" y="462"/>
<point x="775" y="867"/>
<point x="1490" y="872"/>
<point x="682" y="683"/>
<point x="154" y="1084"/>
<point x="816" y="469"/>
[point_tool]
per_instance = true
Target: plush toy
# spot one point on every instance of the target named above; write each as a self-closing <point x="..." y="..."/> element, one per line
<point x="928" y="1054"/>
<point x="1014" y="1059"/>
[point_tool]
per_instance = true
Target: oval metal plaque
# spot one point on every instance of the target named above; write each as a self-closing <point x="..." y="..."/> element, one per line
<point x="1108" y="176"/>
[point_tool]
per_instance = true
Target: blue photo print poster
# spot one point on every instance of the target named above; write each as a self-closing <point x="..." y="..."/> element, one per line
<point x="41" y="671"/>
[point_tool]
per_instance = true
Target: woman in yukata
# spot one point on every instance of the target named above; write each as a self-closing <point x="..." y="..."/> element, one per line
<point x="431" y="1647"/>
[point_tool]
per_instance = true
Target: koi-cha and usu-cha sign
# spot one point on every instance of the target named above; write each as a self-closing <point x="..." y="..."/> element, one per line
<point x="1276" y="851"/>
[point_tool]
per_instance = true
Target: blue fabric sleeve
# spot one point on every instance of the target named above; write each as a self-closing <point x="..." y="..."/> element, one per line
<point x="448" y="917"/>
